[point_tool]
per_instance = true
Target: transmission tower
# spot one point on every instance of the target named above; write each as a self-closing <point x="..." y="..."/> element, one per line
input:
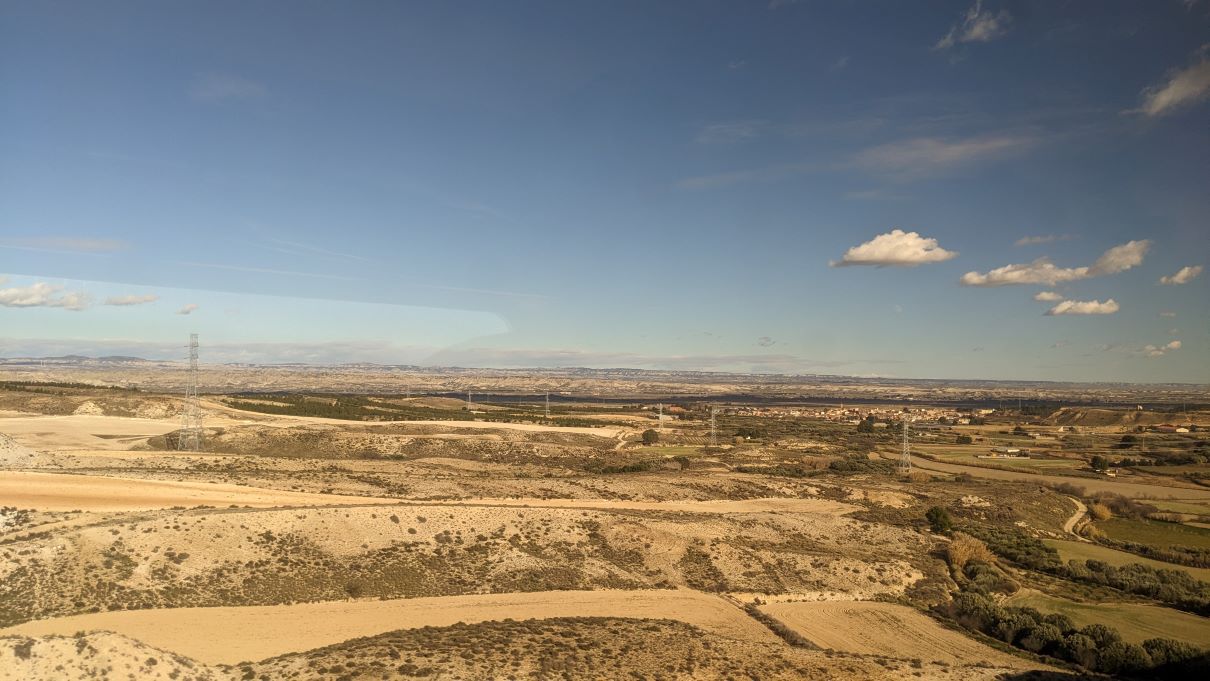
<point x="660" y="416"/>
<point x="547" y="405"/>
<point x="469" y="405"/>
<point x="905" y="459"/>
<point x="190" y="439"/>
<point x="713" y="429"/>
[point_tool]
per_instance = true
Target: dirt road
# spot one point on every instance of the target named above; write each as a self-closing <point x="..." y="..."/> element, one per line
<point x="235" y="634"/>
<point x="62" y="492"/>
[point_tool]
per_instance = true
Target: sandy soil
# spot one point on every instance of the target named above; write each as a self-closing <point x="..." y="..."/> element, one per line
<point x="60" y="433"/>
<point x="56" y="492"/>
<point x="231" y="635"/>
<point x="885" y="629"/>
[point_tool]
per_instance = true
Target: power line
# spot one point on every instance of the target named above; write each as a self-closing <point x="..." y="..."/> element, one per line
<point x="905" y="459"/>
<point x="190" y="439"/>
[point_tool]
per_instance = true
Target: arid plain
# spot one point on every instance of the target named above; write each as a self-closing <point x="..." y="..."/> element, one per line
<point x="326" y="533"/>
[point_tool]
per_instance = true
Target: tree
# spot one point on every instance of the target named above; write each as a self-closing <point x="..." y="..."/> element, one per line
<point x="866" y="426"/>
<point x="965" y="439"/>
<point x="650" y="436"/>
<point x="1099" y="463"/>
<point x="939" y="519"/>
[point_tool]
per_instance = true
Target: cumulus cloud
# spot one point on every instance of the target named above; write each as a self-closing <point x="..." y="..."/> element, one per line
<point x="188" y="309"/>
<point x="41" y="294"/>
<point x="1183" y="87"/>
<point x="1043" y="271"/>
<point x="896" y="248"/>
<point x="1161" y="350"/>
<point x="1083" y="307"/>
<point x="977" y="26"/>
<point x="131" y="300"/>
<point x="1183" y="276"/>
<point x="1048" y="297"/>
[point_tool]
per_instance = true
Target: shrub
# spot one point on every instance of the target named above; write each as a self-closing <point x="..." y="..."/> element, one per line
<point x="965" y="439"/>
<point x="650" y="436"/>
<point x="965" y="548"/>
<point x="1100" y="511"/>
<point x="939" y="519"/>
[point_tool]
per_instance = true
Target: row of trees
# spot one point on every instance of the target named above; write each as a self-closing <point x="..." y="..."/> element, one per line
<point x="1095" y="647"/>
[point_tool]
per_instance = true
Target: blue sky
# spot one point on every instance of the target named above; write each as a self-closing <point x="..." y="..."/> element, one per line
<point x="697" y="185"/>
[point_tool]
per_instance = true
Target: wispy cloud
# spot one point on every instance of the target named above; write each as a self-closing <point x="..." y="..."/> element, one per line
<point x="123" y="301"/>
<point x="977" y="26"/>
<point x="840" y="63"/>
<point x="266" y="270"/>
<point x="1183" y="87"/>
<point x="187" y="309"/>
<point x="873" y="195"/>
<point x="298" y="248"/>
<point x="766" y="174"/>
<point x="729" y="132"/>
<point x="1043" y="271"/>
<point x="1041" y="239"/>
<point x="65" y="244"/>
<point x="1083" y="307"/>
<point x="765" y="342"/>
<point x="924" y="156"/>
<point x="1183" y="276"/>
<point x="896" y="248"/>
<point x="42" y="294"/>
<point x="217" y="87"/>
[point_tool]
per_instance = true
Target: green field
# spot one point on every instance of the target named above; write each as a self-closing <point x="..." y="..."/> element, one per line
<point x="1175" y="506"/>
<point x="1136" y="623"/>
<point x="1075" y="550"/>
<point x="1155" y="533"/>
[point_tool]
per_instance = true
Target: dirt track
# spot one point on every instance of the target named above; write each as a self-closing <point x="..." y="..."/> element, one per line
<point x="236" y="634"/>
<point x="885" y="629"/>
<point x="60" y="492"/>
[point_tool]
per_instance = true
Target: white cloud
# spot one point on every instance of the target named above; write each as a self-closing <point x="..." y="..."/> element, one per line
<point x="1161" y="350"/>
<point x="41" y="294"/>
<point x="977" y="26"/>
<point x="1083" y="307"/>
<point x="840" y="63"/>
<point x="214" y="87"/>
<point x="1183" y="276"/>
<point x="131" y="300"/>
<point x="1048" y="297"/>
<point x="896" y="248"/>
<point x="923" y="156"/>
<point x="1167" y="313"/>
<point x="1120" y="258"/>
<point x="1184" y="87"/>
<point x="188" y="309"/>
<point x="1043" y="271"/>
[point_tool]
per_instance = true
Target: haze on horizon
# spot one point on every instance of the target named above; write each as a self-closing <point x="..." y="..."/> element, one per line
<point x="974" y="189"/>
